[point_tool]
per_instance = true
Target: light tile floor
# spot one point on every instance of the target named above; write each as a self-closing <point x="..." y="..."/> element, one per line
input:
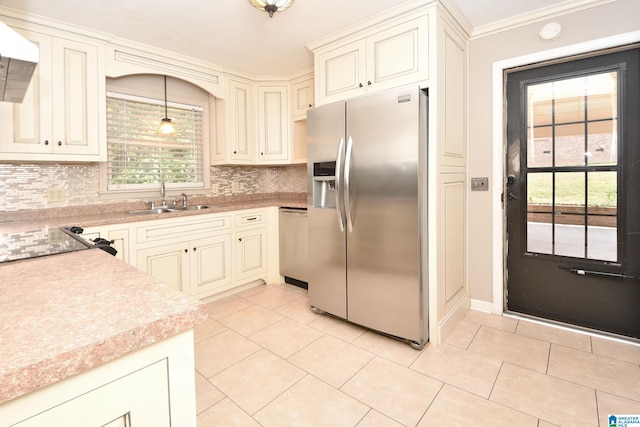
<point x="264" y="358"/>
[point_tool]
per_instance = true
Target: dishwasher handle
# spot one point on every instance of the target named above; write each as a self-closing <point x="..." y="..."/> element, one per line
<point x="293" y="212"/>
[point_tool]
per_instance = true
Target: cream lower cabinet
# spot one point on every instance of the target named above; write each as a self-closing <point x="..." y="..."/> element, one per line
<point x="118" y="235"/>
<point x="251" y="253"/>
<point x="168" y="263"/>
<point x="153" y="386"/>
<point x="210" y="265"/>
<point x="206" y="254"/>
<point x="124" y="400"/>
<point x="61" y="115"/>
<point x="250" y="228"/>
<point x="195" y="267"/>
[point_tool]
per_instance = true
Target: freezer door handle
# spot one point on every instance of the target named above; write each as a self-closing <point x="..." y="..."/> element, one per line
<point x="338" y="177"/>
<point x="346" y="189"/>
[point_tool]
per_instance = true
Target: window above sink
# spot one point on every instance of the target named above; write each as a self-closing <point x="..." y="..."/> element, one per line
<point x="139" y="156"/>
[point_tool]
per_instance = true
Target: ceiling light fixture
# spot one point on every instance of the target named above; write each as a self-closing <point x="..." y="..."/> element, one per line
<point x="271" y="6"/>
<point x="166" y="126"/>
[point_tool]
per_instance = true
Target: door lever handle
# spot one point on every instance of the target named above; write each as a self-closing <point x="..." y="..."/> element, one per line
<point x="512" y="196"/>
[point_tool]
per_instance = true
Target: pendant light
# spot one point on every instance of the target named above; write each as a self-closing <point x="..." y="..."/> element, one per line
<point x="166" y="126"/>
<point x="271" y="6"/>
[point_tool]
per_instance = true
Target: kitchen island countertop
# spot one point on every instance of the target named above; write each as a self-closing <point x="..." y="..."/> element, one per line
<point x="64" y="314"/>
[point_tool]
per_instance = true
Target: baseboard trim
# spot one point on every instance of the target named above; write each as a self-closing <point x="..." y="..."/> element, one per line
<point x="483" y="306"/>
<point x="451" y="320"/>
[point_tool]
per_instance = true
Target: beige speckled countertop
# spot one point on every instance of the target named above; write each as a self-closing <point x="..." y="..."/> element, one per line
<point x="96" y="215"/>
<point x="61" y="315"/>
<point x="64" y="314"/>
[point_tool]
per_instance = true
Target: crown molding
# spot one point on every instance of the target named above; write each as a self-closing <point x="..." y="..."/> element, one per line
<point x="367" y="23"/>
<point x="567" y="7"/>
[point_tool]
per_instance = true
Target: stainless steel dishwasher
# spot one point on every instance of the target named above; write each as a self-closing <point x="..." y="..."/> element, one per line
<point x="293" y="246"/>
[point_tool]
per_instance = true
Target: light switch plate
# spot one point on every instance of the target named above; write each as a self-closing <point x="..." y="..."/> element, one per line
<point x="480" y="184"/>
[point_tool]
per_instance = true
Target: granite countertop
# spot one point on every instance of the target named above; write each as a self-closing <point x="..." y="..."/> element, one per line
<point x="65" y="314"/>
<point x="97" y="215"/>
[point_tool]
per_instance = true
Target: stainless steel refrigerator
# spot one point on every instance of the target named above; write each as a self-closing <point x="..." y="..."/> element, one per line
<point x="367" y="210"/>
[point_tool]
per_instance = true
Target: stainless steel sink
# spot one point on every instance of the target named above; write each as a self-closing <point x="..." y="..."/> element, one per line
<point x="189" y="208"/>
<point x="195" y="207"/>
<point x="150" y="211"/>
<point x="168" y="209"/>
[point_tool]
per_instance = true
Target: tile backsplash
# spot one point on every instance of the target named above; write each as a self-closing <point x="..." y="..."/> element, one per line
<point x="25" y="186"/>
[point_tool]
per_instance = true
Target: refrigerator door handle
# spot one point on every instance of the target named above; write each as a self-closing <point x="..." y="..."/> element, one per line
<point x="339" y="205"/>
<point x="346" y="189"/>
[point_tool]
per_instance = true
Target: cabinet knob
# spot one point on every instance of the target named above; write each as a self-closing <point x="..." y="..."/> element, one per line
<point x="186" y="251"/>
<point x="240" y="239"/>
<point x="310" y="105"/>
<point x="46" y="142"/>
<point x="359" y="84"/>
<point x="59" y="143"/>
<point x="194" y="249"/>
<point x="235" y="152"/>
<point x="369" y="82"/>
<point x="261" y="153"/>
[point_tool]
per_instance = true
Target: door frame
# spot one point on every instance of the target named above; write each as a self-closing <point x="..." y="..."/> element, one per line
<point x="499" y="144"/>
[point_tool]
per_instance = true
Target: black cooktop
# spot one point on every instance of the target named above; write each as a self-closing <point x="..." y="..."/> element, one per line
<point x="38" y="243"/>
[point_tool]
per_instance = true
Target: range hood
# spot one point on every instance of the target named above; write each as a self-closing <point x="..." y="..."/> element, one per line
<point x="18" y="60"/>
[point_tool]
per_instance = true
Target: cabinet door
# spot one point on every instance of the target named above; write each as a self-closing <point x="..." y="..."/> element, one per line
<point x="27" y="127"/>
<point x="273" y="123"/>
<point x="398" y="56"/>
<point x="251" y="253"/>
<point x="120" y="239"/>
<point x="210" y="264"/>
<point x="302" y="98"/>
<point x="240" y="121"/>
<point x="118" y="236"/>
<point x="168" y="263"/>
<point x="140" y="398"/>
<point x="76" y="98"/>
<point x="342" y="72"/>
<point x="59" y="118"/>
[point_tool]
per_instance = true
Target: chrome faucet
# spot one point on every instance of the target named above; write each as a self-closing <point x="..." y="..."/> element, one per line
<point x="162" y="193"/>
<point x="184" y="200"/>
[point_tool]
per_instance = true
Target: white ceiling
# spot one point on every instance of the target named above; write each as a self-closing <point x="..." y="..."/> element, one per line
<point x="233" y="34"/>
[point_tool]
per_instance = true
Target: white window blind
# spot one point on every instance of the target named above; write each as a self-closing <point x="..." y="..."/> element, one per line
<point x="139" y="157"/>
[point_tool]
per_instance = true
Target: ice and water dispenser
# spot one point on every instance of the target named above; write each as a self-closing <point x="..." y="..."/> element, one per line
<point x="324" y="185"/>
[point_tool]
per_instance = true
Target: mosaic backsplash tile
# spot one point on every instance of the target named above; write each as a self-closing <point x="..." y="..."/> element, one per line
<point x="25" y="186"/>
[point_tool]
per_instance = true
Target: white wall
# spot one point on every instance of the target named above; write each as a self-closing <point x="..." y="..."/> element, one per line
<point x="581" y="31"/>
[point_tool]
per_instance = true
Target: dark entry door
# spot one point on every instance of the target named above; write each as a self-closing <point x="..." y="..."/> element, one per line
<point x="573" y="192"/>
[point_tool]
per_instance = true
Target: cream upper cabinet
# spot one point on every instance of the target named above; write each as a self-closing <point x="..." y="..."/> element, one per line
<point x="62" y="115"/>
<point x="240" y="121"/>
<point x="254" y="123"/>
<point x="341" y="73"/>
<point x="392" y="57"/>
<point x="302" y="98"/>
<point x="273" y="123"/>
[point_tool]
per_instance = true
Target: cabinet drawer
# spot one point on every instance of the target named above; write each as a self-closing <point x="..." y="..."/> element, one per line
<point x="166" y="230"/>
<point x="246" y="219"/>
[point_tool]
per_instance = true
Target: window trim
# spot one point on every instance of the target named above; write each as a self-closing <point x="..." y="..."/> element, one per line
<point x="152" y="191"/>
